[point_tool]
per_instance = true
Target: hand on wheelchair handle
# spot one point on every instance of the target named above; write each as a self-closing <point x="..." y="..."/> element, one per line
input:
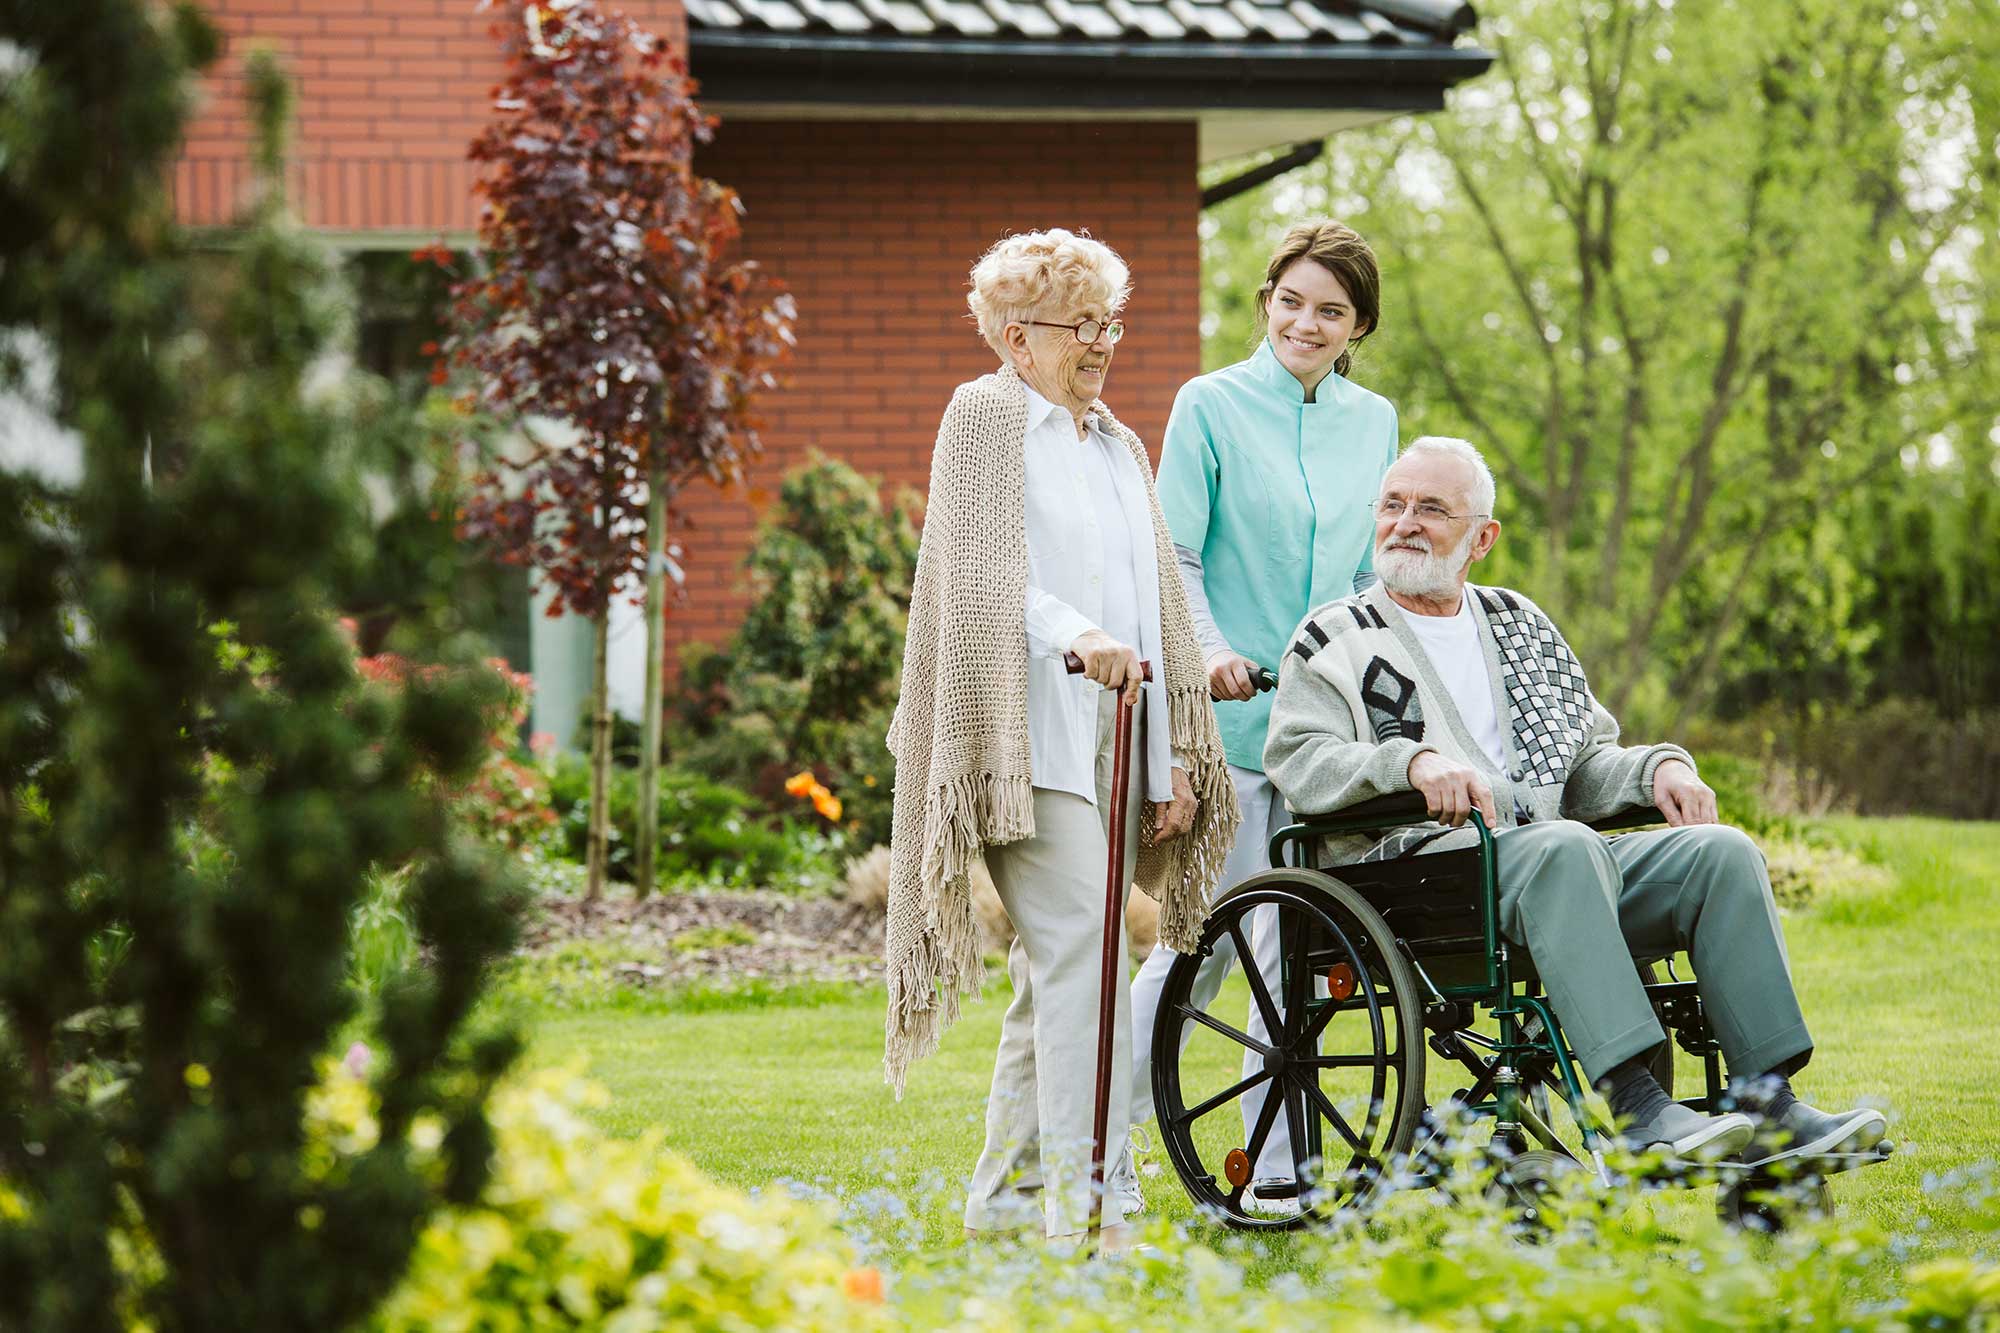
<point x="1452" y="790"/>
<point x="1231" y="675"/>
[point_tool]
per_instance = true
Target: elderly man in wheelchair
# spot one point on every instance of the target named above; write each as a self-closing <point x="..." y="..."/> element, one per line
<point x="1455" y="780"/>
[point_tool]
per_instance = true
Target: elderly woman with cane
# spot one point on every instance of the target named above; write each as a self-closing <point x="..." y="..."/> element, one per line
<point x="1043" y="538"/>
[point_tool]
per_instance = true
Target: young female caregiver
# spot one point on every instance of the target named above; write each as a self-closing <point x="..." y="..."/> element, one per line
<point x="1265" y="478"/>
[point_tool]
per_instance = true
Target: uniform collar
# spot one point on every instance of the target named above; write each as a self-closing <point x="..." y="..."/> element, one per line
<point x="1264" y="364"/>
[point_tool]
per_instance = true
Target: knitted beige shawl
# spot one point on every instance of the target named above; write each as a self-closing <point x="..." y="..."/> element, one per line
<point x="960" y="734"/>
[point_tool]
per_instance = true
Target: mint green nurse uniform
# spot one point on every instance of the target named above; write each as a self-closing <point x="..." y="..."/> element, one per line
<point x="1274" y="492"/>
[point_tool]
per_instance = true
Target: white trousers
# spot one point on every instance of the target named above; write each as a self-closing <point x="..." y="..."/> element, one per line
<point x="1263" y="815"/>
<point x="1036" y="1162"/>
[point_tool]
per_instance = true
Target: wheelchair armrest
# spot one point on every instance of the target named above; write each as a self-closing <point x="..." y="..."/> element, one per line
<point x="1403" y="807"/>
<point x="1631" y="817"/>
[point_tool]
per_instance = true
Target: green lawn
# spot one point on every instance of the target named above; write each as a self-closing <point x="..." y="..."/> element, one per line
<point x="1900" y="987"/>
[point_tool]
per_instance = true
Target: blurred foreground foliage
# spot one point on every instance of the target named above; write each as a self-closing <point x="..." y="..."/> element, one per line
<point x="197" y="790"/>
<point x="579" y="1230"/>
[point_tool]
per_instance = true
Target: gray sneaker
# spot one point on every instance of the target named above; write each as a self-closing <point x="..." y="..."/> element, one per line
<point x="1806" y="1131"/>
<point x="1689" y="1136"/>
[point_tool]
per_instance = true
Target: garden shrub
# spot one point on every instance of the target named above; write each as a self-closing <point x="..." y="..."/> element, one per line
<point x="810" y="679"/>
<point x="1805" y="870"/>
<point x="579" y="1230"/>
<point x="710" y="833"/>
<point x="507" y="800"/>
<point x="1897" y="757"/>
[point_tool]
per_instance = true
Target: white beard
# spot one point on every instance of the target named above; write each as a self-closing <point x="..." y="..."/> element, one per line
<point x="1424" y="573"/>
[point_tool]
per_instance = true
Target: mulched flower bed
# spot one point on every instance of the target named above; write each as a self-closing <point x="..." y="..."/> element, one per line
<point x="677" y="938"/>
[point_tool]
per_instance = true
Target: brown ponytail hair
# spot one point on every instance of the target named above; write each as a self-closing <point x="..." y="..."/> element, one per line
<point x="1339" y="250"/>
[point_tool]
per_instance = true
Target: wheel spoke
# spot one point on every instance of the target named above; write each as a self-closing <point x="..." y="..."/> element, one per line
<point x="1295" y="1129"/>
<point x="1267" y="1116"/>
<point x="1206" y="1019"/>
<point x="1316" y="1024"/>
<point x="1274" y="1023"/>
<point x="1332" y="1113"/>
<point x="1339" y="1061"/>
<point x="1298" y="984"/>
<point x="1194" y="1113"/>
<point x="1354" y="1003"/>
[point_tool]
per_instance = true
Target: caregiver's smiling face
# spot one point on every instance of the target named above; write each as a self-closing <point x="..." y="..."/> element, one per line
<point x="1311" y="319"/>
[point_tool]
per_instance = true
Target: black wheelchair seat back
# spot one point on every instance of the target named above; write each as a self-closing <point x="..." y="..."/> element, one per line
<point x="1432" y="903"/>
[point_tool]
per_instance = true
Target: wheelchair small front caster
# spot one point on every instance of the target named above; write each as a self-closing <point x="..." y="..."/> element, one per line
<point x="1769" y="1206"/>
<point x="1523" y="1182"/>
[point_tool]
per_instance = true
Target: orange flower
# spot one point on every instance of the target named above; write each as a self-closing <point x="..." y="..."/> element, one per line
<point x="827" y="804"/>
<point x="801" y="784"/>
<point x="863" y="1284"/>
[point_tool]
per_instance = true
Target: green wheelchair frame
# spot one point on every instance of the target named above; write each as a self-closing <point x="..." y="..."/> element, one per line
<point x="1529" y="1029"/>
<point x="1421" y="954"/>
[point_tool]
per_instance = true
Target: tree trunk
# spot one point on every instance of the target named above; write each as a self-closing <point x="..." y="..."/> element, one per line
<point x="599" y="856"/>
<point x="656" y="636"/>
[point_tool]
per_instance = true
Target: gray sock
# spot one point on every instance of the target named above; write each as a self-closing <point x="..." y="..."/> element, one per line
<point x="1636" y="1097"/>
<point x="1771" y="1093"/>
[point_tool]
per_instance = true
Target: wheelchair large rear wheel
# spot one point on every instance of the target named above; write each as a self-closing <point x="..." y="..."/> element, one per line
<point x="1344" y="1074"/>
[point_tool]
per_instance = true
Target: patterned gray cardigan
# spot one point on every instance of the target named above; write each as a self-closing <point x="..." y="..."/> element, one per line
<point x="1358" y="699"/>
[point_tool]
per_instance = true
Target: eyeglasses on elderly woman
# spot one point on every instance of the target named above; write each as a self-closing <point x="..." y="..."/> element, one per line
<point x="1087" y="332"/>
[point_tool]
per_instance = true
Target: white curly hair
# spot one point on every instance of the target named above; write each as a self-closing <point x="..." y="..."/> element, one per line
<point x="1047" y="274"/>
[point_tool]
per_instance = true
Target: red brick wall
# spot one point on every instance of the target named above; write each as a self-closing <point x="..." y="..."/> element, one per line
<point x="874" y="227"/>
<point x="390" y="92"/>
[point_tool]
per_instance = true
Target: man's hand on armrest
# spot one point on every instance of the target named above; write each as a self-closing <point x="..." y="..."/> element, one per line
<point x="1681" y="796"/>
<point x="1451" y="790"/>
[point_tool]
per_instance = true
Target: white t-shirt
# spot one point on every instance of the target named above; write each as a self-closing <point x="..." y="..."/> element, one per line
<point x="1452" y="644"/>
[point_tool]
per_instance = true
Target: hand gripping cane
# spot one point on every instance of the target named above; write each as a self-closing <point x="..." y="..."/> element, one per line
<point x="1114" y="920"/>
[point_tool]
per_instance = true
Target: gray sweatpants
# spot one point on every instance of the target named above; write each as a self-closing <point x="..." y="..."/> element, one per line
<point x="1585" y="905"/>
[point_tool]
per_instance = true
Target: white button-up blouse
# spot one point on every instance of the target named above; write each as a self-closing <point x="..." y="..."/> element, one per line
<point x="1072" y="542"/>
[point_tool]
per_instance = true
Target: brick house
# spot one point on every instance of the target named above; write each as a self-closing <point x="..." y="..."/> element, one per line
<point x="879" y="146"/>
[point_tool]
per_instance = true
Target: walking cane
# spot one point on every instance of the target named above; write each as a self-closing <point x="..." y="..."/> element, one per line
<point x="1114" y="921"/>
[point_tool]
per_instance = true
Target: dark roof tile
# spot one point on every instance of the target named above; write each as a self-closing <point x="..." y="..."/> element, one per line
<point x="1434" y="23"/>
<point x="1085" y="18"/>
<point x="838" y="15"/>
<point x="1269" y="20"/>
<point x="1208" y="20"/>
<point x="1147" y="17"/>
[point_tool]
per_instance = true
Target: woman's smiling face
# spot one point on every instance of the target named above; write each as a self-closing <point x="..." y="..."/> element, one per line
<point x="1311" y="320"/>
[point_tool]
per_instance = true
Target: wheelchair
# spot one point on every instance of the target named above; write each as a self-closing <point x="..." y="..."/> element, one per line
<point x="1384" y="964"/>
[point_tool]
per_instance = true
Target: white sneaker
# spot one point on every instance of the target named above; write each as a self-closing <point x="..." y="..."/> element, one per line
<point x="1121" y="1182"/>
<point x="1258" y="1198"/>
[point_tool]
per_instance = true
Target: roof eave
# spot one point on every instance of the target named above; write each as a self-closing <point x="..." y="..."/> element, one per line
<point x="753" y="67"/>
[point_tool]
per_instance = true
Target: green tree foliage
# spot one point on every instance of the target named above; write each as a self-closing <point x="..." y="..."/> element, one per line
<point x="1699" y="277"/>
<point x="810" y="679"/>
<point x="194" y="786"/>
